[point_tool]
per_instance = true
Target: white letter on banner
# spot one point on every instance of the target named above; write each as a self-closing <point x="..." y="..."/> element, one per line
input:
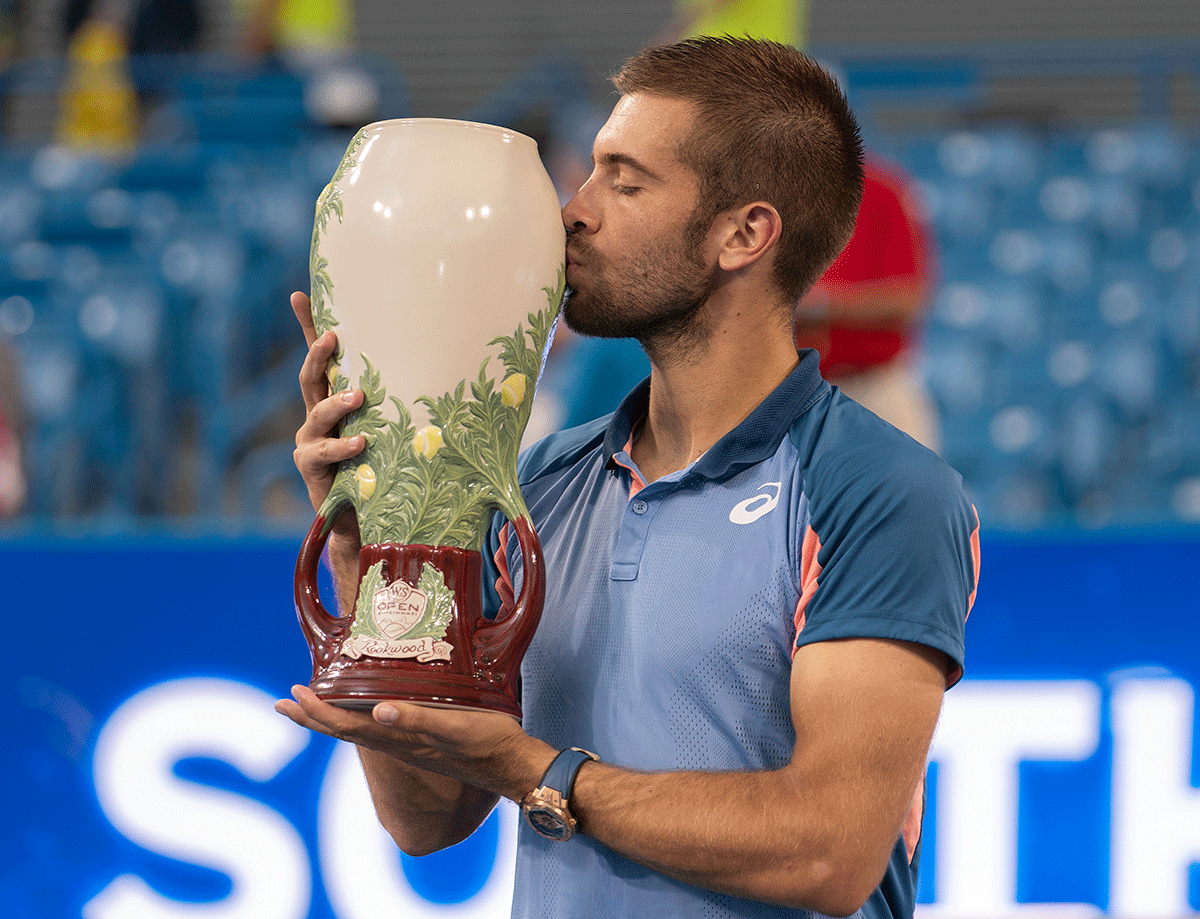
<point x="986" y="730"/>
<point x="143" y="798"/>
<point x="1155" y="808"/>
<point x="360" y="862"/>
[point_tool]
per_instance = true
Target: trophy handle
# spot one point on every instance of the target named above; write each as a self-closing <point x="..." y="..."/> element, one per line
<point x="501" y="644"/>
<point x="322" y="631"/>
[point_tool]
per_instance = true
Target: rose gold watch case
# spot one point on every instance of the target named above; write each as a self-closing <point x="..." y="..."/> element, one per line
<point x="548" y="805"/>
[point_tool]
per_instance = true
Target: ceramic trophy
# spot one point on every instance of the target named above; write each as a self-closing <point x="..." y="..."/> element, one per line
<point x="437" y="256"/>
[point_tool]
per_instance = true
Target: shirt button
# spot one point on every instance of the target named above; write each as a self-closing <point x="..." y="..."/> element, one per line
<point x="640" y="507"/>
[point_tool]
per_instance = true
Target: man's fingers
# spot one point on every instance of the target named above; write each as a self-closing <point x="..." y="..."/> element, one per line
<point x="443" y="725"/>
<point x="410" y="717"/>
<point x="297" y="714"/>
<point x="311" y="712"/>
<point x="465" y="745"/>
<point x="314" y="384"/>
<point x="319" y="451"/>
<point x="319" y="459"/>
<point x="323" y="416"/>
<point x="302" y="307"/>
<point x="357" y="727"/>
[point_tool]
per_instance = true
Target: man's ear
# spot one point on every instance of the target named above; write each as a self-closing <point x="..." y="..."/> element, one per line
<point x="750" y="233"/>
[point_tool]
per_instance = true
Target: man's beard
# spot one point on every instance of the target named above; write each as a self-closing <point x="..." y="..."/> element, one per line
<point x="658" y="299"/>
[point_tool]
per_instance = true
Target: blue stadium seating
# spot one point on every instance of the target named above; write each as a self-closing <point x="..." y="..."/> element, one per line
<point x="146" y="298"/>
<point x="1064" y="344"/>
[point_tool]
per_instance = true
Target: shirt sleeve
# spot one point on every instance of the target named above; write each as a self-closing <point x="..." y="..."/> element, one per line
<point x="891" y="550"/>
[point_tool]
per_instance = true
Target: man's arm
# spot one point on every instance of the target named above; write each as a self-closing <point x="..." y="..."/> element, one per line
<point x="816" y="834"/>
<point x="421" y="810"/>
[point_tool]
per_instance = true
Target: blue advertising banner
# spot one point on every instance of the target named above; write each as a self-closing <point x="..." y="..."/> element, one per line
<point x="149" y="775"/>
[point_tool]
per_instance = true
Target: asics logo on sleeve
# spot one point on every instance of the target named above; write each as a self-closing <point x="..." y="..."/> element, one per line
<point x="759" y="506"/>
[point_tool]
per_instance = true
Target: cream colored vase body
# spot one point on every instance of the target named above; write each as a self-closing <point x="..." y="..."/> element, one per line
<point x="437" y="258"/>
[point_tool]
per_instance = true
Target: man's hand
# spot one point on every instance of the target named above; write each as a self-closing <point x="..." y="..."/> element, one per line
<point x="486" y="750"/>
<point x="318" y="449"/>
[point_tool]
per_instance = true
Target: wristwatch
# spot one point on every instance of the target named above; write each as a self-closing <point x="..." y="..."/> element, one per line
<point x="546" y="806"/>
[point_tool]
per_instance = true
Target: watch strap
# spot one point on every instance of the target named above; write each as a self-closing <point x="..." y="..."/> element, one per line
<point x="563" y="770"/>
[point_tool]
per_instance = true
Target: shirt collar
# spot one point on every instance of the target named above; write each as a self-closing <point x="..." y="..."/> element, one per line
<point x="757" y="437"/>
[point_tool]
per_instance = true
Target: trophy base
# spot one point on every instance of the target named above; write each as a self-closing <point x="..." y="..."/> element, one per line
<point x="365" y="705"/>
<point x="363" y="690"/>
<point x="458" y="659"/>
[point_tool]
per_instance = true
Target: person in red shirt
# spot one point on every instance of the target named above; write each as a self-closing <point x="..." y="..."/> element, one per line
<point x="864" y="313"/>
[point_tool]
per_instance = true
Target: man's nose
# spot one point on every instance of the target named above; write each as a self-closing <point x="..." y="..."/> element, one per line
<point x="577" y="214"/>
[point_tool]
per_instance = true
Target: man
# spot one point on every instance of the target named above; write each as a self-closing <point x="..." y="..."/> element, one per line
<point x="757" y="588"/>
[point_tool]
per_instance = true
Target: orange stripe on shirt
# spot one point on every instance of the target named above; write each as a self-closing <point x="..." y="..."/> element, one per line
<point x="636" y="483"/>
<point x="911" y="833"/>
<point x="974" y="561"/>
<point x="810" y="571"/>
<point x="504" y="584"/>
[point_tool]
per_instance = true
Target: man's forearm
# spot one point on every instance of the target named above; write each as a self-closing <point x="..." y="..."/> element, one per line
<point x="759" y="835"/>
<point x="816" y="834"/>
<point x="422" y="811"/>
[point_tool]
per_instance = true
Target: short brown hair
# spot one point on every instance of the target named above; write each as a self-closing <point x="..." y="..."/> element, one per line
<point x="772" y="126"/>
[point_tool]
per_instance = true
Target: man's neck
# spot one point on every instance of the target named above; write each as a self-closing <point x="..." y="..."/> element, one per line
<point x="700" y="393"/>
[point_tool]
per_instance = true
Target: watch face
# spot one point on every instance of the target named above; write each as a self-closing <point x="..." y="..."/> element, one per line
<point x="548" y="823"/>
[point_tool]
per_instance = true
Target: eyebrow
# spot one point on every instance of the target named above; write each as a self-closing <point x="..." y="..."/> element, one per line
<point x="624" y="159"/>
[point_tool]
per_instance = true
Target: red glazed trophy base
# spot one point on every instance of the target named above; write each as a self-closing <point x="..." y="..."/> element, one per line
<point x="476" y="664"/>
<point x="362" y="691"/>
<point x="459" y="682"/>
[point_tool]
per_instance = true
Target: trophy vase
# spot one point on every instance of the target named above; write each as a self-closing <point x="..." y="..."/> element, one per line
<point x="437" y="257"/>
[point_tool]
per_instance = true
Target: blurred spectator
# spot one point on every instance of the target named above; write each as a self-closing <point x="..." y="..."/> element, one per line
<point x="314" y="39"/>
<point x="865" y="312"/>
<point x="303" y="35"/>
<point x="784" y="21"/>
<point x="98" y="105"/>
<point x="12" y="472"/>
<point x="155" y="31"/>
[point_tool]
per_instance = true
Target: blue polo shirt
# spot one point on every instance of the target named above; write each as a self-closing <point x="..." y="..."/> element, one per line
<point x="673" y="609"/>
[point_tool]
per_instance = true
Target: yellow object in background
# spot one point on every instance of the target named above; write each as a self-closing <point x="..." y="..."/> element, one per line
<point x="98" y="106"/>
<point x="784" y="21"/>
<point x="303" y="26"/>
<point x="321" y="24"/>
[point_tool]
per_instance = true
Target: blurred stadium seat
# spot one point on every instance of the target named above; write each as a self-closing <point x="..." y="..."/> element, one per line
<point x="1063" y="347"/>
<point x="146" y="297"/>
